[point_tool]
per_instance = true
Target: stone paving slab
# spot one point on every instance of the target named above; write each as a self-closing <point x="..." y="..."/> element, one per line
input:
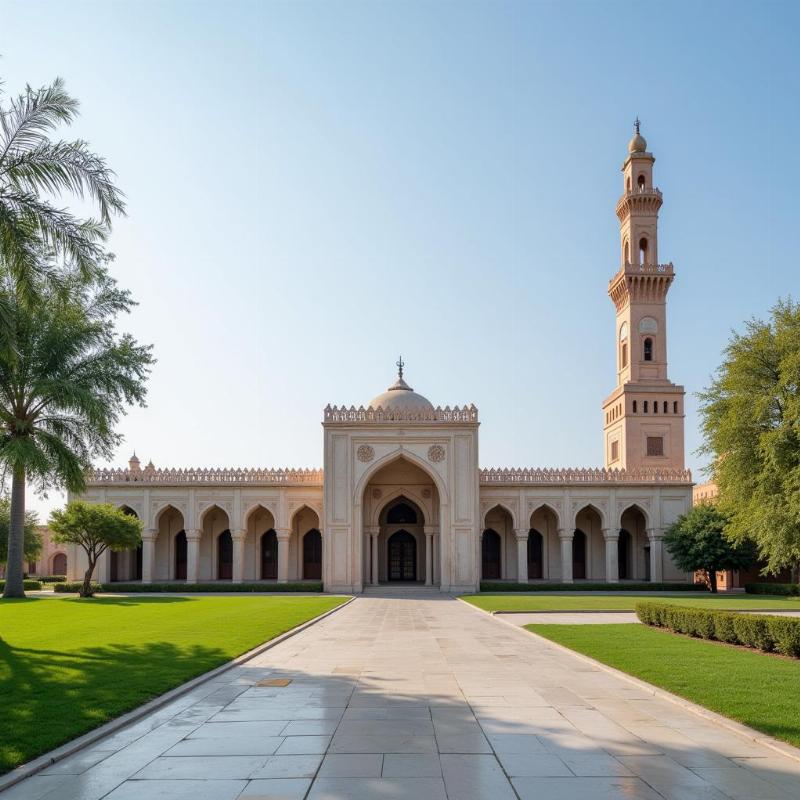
<point x="425" y="699"/>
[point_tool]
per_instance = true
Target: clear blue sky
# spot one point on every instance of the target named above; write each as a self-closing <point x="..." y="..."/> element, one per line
<point x="316" y="187"/>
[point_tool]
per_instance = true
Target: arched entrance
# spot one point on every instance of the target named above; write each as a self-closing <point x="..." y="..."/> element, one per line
<point x="269" y="556"/>
<point x="312" y="555"/>
<point x="225" y="556"/>
<point x="624" y="555"/>
<point x="579" y="555"/>
<point x="181" y="553"/>
<point x="633" y="531"/>
<point x="490" y="555"/>
<point x="126" y="565"/>
<point x="59" y="564"/>
<point x="535" y="554"/>
<point x="402" y="553"/>
<point x="400" y="498"/>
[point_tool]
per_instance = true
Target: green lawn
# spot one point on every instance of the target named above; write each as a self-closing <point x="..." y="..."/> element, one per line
<point x="68" y="665"/>
<point x="760" y="690"/>
<point x="627" y="602"/>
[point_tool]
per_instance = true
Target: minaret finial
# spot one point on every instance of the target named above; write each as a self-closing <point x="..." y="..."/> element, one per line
<point x="636" y="124"/>
<point x="400" y="365"/>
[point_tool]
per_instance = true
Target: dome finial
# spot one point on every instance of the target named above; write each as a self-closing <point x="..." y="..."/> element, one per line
<point x="636" y="124"/>
<point x="400" y="364"/>
<point x="637" y="144"/>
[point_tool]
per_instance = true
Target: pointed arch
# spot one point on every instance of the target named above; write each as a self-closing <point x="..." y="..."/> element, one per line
<point x="390" y="458"/>
<point x="632" y="506"/>
<point x="547" y="507"/>
<point x="505" y="507"/>
<point x="589" y="506"/>
<point x="213" y="508"/>
<point x="302" y="508"/>
<point x="167" y="508"/>
<point x="253" y="509"/>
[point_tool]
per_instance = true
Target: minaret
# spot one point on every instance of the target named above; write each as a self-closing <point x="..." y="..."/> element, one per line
<point x="643" y="416"/>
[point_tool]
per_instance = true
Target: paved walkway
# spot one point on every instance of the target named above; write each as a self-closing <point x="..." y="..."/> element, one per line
<point x="569" y="617"/>
<point x="418" y="700"/>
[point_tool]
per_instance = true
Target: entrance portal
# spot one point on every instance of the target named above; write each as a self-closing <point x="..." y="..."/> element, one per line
<point x="402" y="557"/>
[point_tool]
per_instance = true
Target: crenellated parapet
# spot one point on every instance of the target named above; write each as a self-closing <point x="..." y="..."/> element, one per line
<point x="344" y="415"/>
<point x="214" y="476"/>
<point x="583" y="476"/>
<point x="644" y="283"/>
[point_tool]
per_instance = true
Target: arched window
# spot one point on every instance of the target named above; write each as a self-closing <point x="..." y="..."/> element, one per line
<point x="648" y="349"/>
<point x="401" y="514"/>
<point x="641" y="181"/>
<point x="624" y="355"/>
<point x="643" y="251"/>
<point x="627" y="251"/>
<point x="59" y="564"/>
<point x="629" y="183"/>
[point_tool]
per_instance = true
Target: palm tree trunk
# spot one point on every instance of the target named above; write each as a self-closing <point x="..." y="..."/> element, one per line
<point x="16" y="536"/>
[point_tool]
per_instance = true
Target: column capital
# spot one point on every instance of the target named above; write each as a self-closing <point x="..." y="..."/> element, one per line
<point x="610" y="534"/>
<point x="283" y="533"/>
<point x="193" y="533"/>
<point x="565" y="534"/>
<point x="372" y="530"/>
<point x="655" y="534"/>
<point x="149" y="534"/>
<point x="239" y="535"/>
<point x="521" y="533"/>
<point x="430" y="530"/>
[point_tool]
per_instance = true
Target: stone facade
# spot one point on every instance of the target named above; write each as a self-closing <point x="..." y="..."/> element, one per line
<point x="402" y="496"/>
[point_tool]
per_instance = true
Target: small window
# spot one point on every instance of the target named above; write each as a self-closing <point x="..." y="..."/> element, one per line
<point x="641" y="181"/>
<point x="624" y="355"/>
<point x="666" y="407"/>
<point x="629" y="183"/>
<point x="643" y="251"/>
<point x="634" y="406"/>
<point x="675" y="407"/>
<point x="645" y="406"/>
<point x="614" y="451"/>
<point x="655" y="406"/>
<point x="655" y="446"/>
<point x="648" y="349"/>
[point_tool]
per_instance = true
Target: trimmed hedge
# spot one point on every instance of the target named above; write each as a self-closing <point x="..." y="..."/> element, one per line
<point x="508" y="586"/>
<point x="786" y="589"/>
<point x="74" y="586"/>
<point x="759" y="631"/>
<point x="27" y="585"/>
<point x="51" y="578"/>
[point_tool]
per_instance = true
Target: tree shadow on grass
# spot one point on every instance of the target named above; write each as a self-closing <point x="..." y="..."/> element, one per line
<point x="49" y="697"/>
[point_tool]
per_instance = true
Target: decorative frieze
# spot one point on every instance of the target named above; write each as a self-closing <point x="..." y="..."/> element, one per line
<point x="344" y="415"/>
<point x="583" y="476"/>
<point x="212" y="476"/>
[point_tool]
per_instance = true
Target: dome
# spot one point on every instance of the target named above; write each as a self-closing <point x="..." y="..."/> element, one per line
<point x="637" y="144"/>
<point x="400" y="395"/>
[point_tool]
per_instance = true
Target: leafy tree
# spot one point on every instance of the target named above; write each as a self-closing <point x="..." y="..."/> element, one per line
<point x="751" y="428"/>
<point x="697" y="541"/>
<point x="32" y="547"/>
<point x="65" y="378"/>
<point x="96" y="528"/>
<point x="34" y="169"/>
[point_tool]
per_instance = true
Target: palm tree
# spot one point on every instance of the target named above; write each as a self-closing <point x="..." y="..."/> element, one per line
<point x="35" y="171"/>
<point x="64" y="381"/>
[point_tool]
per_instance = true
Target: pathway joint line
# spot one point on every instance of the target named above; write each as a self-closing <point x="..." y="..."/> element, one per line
<point x="701" y="711"/>
<point x="112" y="726"/>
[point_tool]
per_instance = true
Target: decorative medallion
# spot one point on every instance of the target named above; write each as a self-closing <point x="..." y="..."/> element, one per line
<point x="426" y="493"/>
<point x="436" y="453"/>
<point x="365" y="453"/>
<point x="377" y="494"/>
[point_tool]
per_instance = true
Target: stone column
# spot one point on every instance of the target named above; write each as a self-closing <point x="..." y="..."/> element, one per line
<point x="372" y="534"/>
<point x="148" y="554"/>
<point x="283" y="535"/>
<point x="656" y="564"/>
<point x="428" y="555"/>
<point x="193" y="556"/>
<point x="612" y="555"/>
<point x="565" y="538"/>
<point x="238" y="538"/>
<point x="522" y="554"/>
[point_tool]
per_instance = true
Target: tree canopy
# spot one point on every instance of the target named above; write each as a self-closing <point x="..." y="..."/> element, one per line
<point x="751" y="429"/>
<point x="33" y="540"/>
<point x="697" y="541"/>
<point x="95" y="527"/>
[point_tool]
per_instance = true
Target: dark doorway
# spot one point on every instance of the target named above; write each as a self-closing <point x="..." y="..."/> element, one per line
<point x="225" y="556"/>
<point x="269" y="556"/>
<point x="623" y="555"/>
<point x="647" y="563"/>
<point x="180" y="556"/>
<point x="579" y="554"/>
<point x="59" y="564"/>
<point x="138" y="575"/>
<point x="402" y="557"/>
<point x="312" y="555"/>
<point x="114" y="576"/>
<point x="490" y="555"/>
<point x="535" y="560"/>
<point x="401" y="514"/>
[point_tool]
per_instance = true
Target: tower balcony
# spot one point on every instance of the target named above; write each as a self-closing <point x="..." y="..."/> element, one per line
<point x="639" y="199"/>
<point x="648" y="283"/>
